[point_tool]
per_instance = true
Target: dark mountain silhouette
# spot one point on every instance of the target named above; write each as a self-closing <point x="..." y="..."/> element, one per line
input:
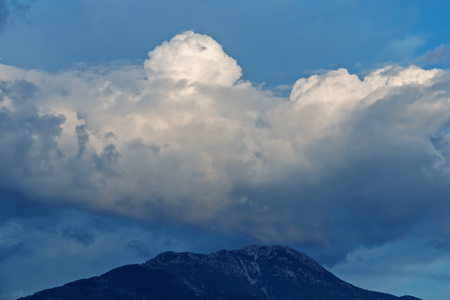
<point x="253" y="272"/>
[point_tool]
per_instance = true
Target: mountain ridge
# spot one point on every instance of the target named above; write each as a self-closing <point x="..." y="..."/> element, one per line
<point x="253" y="272"/>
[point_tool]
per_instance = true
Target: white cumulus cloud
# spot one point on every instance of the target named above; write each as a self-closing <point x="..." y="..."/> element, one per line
<point x="195" y="58"/>
<point x="343" y="160"/>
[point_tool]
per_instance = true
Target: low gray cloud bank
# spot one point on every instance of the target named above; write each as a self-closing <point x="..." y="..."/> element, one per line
<point x="342" y="163"/>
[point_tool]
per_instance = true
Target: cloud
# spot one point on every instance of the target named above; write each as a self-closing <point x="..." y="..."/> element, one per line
<point x="193" y="57"/>
<point x="438" y="55"/>
<point x="9" y="10"/>
<point x="67" y="245"/>
<point x="404" y="48"/>
<point x="341" y="163"/>
<point x="78" y="234"/>
<point x="16" y="249"/>
<point x="139" y="248"/>
<point x="396" y="268"/>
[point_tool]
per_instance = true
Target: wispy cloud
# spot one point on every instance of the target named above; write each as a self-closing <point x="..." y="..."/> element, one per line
<point x="437" y="55"/>
<point x="11" y="10"/>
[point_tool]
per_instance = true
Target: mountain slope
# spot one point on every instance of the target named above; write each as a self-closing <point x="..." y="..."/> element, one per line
<point x="253" y="272"/>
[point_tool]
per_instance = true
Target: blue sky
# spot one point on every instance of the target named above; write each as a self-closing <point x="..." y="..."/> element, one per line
<point x="274" y="41"/>
<point x="129" y="128"/>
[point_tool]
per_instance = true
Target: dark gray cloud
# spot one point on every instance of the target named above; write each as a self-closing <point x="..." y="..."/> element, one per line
<point x="27" y="137"/>
<point x="17" y="249"/>
<point x="139" y="248"/>
<point x="78" y="234"/>
<point x="107" y="158"/>
<point x="83" y="139"/>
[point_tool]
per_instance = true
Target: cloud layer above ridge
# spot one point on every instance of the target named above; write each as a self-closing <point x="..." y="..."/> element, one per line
<point x="181" y="140"/>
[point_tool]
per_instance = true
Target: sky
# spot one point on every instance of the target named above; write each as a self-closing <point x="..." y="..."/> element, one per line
<point x="129" y="128"/>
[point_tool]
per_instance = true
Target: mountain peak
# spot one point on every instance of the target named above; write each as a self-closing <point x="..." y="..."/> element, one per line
<point x="253" y="272"/>
<point x="277" y="251"/>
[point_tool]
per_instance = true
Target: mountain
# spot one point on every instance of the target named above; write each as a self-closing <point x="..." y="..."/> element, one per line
<point x="253" y="272"/>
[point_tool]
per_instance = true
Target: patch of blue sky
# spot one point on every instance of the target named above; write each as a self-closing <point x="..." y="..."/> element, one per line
<point x="274" y="42"/>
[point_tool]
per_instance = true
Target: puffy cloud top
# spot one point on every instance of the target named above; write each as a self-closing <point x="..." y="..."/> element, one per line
<point x="195" y="58"/>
